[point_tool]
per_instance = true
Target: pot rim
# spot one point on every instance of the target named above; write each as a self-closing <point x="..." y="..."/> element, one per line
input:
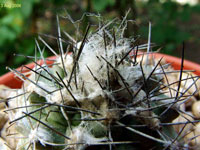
<point x="10" y="80"/>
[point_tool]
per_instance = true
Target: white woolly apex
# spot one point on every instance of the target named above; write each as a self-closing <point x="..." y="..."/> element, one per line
<point x="130" y="73"/>
<point x="68" y="61"/>
<point x="91" y="59"/>
<point x="81" y="135"/>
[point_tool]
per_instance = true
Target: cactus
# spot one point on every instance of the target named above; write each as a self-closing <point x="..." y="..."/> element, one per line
<point x="105" y="94"/>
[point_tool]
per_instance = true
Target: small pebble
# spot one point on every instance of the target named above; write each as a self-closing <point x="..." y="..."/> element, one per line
<point x="196" y="109"/>
<point x="183" y="118"/>
<point x="9" y="130"/>
<point x="193" y="138"/>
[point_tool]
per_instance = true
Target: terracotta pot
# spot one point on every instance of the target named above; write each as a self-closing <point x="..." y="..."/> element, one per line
<point x="12" y="81"/>
<point x="176" y="63"/>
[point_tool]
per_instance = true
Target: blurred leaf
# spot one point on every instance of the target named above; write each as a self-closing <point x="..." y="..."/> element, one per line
<point x="27" y="6"/>
<point x="196" y="8"/>
<point x="100" y="5"/>
<point x="7" y="20"/>
<point x="57" y="2"/>
<point x="2" y="58"/>
<point x="6" y="35"/>
<point x="185" y="14"/>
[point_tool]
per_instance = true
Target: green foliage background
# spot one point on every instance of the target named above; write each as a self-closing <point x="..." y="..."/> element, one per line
<point x="172" y="23"/>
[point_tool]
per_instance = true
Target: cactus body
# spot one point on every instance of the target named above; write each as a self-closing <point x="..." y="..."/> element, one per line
<point x="98" y="97"/>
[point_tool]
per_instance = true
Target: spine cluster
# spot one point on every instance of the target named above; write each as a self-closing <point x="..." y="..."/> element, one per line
<point x="107" y="93"/>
